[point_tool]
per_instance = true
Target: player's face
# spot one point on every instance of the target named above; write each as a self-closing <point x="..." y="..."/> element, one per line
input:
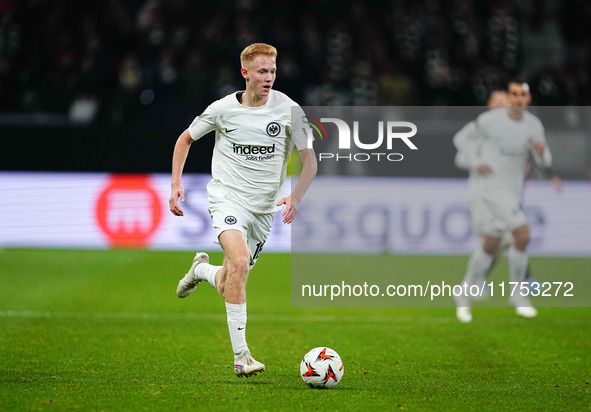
<point x="260" y="75"/>
<point x="498" y="99"/>
<point x="518" y="94"/>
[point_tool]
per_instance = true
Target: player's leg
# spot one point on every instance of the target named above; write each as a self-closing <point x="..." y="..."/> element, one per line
<point x="235" y="270"/>
<point x="206" y="271"/>
<point x="232" y="281"/>
<point x="506" y="242"/>
<point x="518" y="264"/>
<point x="507" y="210"/>
<point x="493" y="263"/>
<point x="258" y="229"/>
<point x="486" y="226"/>
<point x="479" y="264"/>
<point x="200" y="270"/>
<point x="484" y="282"/>
<point x="517" y="254"/>
<point x="482" y="257"/>
<point x="482" y="260"/>
<point x="521" y="236"/>
<point x="226" y="217"/>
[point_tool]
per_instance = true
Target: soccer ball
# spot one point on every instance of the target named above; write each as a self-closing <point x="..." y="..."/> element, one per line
<point x="321" y="368"/>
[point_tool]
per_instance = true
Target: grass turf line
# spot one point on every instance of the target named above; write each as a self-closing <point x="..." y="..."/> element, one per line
<point x="104" y="330"/>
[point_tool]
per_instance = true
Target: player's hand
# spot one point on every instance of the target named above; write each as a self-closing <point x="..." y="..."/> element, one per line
<point x="484" y="169"/>
<point x="291" y="209"/>
<point x="537" y="146"/>
<point x="176" y="193"/>
<point x="557" y="182"/>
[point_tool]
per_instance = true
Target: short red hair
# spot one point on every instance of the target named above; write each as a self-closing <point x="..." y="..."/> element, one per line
<point x="255" y="49"/>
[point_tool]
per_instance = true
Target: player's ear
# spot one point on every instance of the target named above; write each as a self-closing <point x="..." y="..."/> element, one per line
<point x="528" y="98"/>
<point x="244" y="73"/>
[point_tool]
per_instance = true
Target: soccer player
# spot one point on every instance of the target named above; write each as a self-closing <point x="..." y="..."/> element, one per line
<point x="495" y="148"/>
<point x="255" y="133"/>
<point x="498" y="98"/>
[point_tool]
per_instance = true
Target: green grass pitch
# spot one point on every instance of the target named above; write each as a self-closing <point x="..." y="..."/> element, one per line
<point x="104" y="330"/>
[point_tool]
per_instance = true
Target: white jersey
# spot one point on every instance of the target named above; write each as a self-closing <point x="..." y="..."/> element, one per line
<point x="252" y="148"/>
<point x="504" y="144"/>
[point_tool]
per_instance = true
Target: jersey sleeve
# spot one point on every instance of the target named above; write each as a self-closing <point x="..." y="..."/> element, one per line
<point x="468" y="142"/>
<point x="204" y="123"/>
<point x="301" y="133"/>
<point x="545" y="160"/>
<point x="462" y="142"/>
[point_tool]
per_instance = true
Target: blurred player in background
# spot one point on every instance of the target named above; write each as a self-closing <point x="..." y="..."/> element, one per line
<point x="498" y="98"/>
<point x="495" y="149"/>
<point x="254" y="137"/>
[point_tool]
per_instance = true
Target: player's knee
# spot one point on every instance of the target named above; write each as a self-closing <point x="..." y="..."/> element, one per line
<point x="239" y="266"/>
<point x="491" y="245"/>
<point x="521" y="236"/>
<point x="522" y="241"/>
<point x="492" y="250"/>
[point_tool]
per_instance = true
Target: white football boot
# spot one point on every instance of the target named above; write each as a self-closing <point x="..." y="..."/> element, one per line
<point x="523" y="307"/>
<point x="189" y="282"/>
<point x="526" y="311"/>
<point x="464" y="314"/>
<point x="463" y="308"/>
<point x="246" y="365"/>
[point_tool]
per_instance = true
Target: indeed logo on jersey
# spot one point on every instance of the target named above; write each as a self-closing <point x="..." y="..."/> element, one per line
<point x="512" y="153"/>
<point x="252" y="150"/>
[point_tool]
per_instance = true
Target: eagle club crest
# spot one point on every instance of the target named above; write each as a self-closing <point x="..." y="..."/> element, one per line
<point x="273" y="129"/>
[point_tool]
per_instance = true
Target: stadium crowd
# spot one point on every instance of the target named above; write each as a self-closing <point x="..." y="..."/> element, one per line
<point x="115" y="56"/>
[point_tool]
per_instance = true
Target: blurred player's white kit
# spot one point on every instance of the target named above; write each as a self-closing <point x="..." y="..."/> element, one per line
<point x="495" y="149"/>
<point x="494" y="138"/>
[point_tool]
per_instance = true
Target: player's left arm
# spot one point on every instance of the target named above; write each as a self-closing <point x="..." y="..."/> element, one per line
<point x="309" y="169"/>
<point x="469" y="142"/>
<point x="539" y="148"/>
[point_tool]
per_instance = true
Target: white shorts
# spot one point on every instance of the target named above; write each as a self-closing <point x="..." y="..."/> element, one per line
<point x="495" y="214"/>
<point x="254" y="227"/>
<point x="506" y="241"/>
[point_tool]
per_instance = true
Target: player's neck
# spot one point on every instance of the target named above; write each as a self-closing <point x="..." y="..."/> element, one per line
<point x="250" y="99"/>
<point x="516" y="113"/>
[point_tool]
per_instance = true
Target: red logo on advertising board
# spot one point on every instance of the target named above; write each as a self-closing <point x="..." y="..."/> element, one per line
<point x="128" y="210"/>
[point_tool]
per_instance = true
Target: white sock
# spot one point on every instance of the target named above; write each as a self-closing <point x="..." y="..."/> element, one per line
<point x="517" y="264"/>
<point x="236" y="314"/>
<point x="207" y="271"/>
<point x="478" y="266"/>
<point x="517" y="272"/>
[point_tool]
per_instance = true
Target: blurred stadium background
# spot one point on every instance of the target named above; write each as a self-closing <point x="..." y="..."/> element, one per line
<point x="108" y="85"/>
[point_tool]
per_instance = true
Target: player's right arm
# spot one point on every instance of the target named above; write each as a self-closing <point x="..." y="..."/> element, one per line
<point x="462" y="141"/>
<point x="201" y="125"/>
<point x="179" y="157"/>
<point x="467" y="142"/>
